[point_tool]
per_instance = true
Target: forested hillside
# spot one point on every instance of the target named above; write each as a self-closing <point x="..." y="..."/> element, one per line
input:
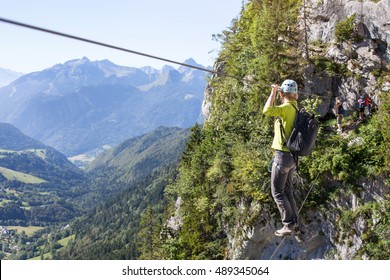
<point x="37" y="183"/>
<point x="223" y="204"/>
<point x="126" y="182"/>
<point x="132" y="162"/>
<point x="120" y="185"/>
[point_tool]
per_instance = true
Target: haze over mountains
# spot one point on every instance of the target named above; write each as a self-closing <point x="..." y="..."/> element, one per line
<point x="8" y="76"/>
<point x="82" y="105"/>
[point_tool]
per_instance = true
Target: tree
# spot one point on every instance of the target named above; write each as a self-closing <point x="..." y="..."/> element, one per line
<point x="148" y="236"/>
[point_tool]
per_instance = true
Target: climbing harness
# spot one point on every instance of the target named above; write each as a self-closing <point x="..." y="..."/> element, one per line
<point x="270" y="165"/>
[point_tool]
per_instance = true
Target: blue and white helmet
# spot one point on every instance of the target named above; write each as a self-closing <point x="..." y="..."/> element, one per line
<point x="289" y="86"/>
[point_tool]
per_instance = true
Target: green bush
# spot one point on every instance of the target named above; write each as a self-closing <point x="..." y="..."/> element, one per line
<point x="345" y="28"/>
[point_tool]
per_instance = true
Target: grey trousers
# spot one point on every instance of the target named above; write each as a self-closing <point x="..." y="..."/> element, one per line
<point x="283" y="170"/>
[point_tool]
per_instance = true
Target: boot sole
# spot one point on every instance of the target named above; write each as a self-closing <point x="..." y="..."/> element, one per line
<point x="283" y="234"/>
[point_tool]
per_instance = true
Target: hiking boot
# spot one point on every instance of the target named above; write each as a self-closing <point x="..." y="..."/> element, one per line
<point x="283" y="231"/>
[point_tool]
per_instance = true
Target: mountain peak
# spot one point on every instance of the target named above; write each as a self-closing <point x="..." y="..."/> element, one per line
<point x="189" y="61"/>
<point x="167" y="69"/>
<point x="12" y="138"/>
<point x="8" y="76"/>
<point x="78" y="61"/>
<point x="149" y="70"/>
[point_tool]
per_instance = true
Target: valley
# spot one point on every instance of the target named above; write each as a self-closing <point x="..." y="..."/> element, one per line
<point x="40" y="218"/>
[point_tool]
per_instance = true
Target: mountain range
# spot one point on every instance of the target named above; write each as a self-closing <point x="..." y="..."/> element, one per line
<point x="82" y="105"/>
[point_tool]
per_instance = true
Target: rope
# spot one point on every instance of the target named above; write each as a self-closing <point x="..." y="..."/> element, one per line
<point x="307" y="195"/>
<point x="277" y="248"/>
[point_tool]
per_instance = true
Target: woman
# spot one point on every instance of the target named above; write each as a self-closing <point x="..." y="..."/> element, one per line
<point x="284" y="165"/>
<point x="362" y="107"/>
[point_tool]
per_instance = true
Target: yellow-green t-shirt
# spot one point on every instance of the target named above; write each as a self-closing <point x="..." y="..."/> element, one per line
<point x="287" y="114"/>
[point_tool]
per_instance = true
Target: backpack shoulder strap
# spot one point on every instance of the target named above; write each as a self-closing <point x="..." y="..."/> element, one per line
<point x="295" y="107"/>
<point x="282" y="132"/>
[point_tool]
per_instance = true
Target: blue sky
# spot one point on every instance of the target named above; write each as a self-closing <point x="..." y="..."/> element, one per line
<point x="173" y="29"/>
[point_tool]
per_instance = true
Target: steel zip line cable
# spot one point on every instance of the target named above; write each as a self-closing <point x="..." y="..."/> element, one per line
<point x="13" y="22"/>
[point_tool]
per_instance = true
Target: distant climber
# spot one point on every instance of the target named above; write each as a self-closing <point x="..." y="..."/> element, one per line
<point x="339" y="114"/>
<point x="284" y="165"/>
<point x="362" y="106"/>
<point x="368" y="105"/>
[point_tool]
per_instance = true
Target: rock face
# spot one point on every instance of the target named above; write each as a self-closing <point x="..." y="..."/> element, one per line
<point x="364" y="58"/>
<point x="363" y="61"/>
<point x="327" y="13"/>
<point x="206" y="104"/>
<point x="322" y="238"/>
